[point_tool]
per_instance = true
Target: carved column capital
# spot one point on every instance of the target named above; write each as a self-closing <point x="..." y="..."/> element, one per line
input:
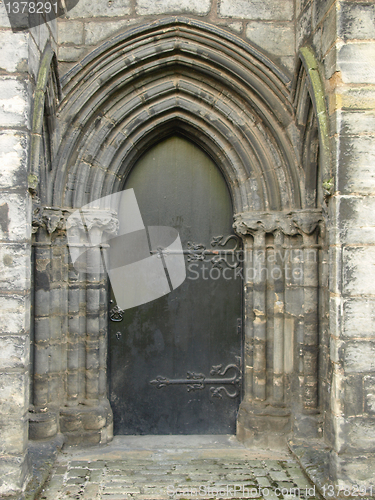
<point x="289" y="223"/>
<point x="53" y="219"/>
<point x="91" y="219"/>
<point x="50" y="218"/>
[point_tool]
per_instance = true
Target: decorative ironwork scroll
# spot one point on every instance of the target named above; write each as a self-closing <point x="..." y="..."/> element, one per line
<point x="199" y="252"/>
<point x="198" y="381"/>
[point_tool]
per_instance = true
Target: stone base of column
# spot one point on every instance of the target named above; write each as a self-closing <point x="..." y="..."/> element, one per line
<point x="307" y="425"/>
<point x="43" y="425"/>
<point x="351" y="471"/>
<point x="263" y="426"/>
<point x="15" y="472"/>
<point x="331" y="471"/>
<point x="87" y="425"/>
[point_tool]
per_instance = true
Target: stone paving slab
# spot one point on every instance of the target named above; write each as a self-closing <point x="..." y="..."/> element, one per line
<point x="176" y="467"/>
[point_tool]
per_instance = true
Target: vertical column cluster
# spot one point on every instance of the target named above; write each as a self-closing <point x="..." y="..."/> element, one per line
<point x="87" y="416"/>
<point x="50" y="323"/>
<point x="281" y="313"/>
<point x="70" y="329"/>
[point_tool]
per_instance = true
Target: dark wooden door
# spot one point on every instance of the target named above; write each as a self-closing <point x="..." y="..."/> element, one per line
<point x="175" y="362"/>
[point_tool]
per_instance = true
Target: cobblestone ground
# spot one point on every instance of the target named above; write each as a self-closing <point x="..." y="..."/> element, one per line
<point x="165" y="467"/>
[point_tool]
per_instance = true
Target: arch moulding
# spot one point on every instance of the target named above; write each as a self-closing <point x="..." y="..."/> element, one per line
<point x="184" y="76"/>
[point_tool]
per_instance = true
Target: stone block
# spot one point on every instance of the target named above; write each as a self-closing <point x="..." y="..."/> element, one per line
<point x="93" y="421"/>
<point x="14" y="434"/>
<point x="14" y="472"/>
<point x="52" y="26"/>
<point x="107" y="8"/>
<point x="13" y="158"/>
<point x="15" y="216"/>
<point x="14" y="352"/>
<point x="355" y="219"/>
<point x="355" y="61"/>
<point x="14" y="102"/>
<point x="330" y="59"/>
<point x="359" y="317"/>
<point x="360" y="435"/>
<point x="359" y="357"/>
<point x="348" y="122"/>
<point x="42" y="329"/>
<point x="70" y="32"/>
<point x="41" y="35"/>
<point x="369" y="394"/>
<point x="14" y="314"/>
<point x="14" y="394"/>
<point x="303" y="27"/>
<point x="92" y="360"/>
<point x="13" y="51"/>
<point x="329" y="34"/>
<point x="97" y="32"/>
<point x="320" y="10"/>
<point x="257" y="9"/>
<point x="278" y="39"/>
<point x="55" y="328"/>
<point x="353" y="469"/>
<point x="70" y="54"/>
<point x="33" y="58"/>
<point x="353" y="395"/>
<point x="43" y="425"/>
<point x="70" y="422"/>
<point x="294" y="301"/>
<point x="358" y="270"/>
<point x="149" y="7"/>
<point x="301" y="5"/>
<point x="41" y="302"/>
<point x="356" y="21"/>
<point x="356" y="98"/>
<point x="4" y="19"/>
<point x="356" y="157"/>
<point x="42" y="359"/>
<point x="335" y="270"/>
<point x="236" y="26"/>
<point x="15" y="267"/>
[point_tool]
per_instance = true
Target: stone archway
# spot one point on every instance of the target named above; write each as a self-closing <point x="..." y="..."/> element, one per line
<point x="185" y="75"/>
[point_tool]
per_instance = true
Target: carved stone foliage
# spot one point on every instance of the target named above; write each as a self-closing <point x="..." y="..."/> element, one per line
<point x="86" y="220"/>
<point x="289" y="223"/>
<point x="52" y="219"/>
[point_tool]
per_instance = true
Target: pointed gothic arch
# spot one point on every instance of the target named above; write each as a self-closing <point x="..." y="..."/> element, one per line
<point x="184" y="76"/>
<point x="184" y="73"/>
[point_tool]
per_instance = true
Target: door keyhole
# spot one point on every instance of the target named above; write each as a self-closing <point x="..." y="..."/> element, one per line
<point x="118" y="335"/>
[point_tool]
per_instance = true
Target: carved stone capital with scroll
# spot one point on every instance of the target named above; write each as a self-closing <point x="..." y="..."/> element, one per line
<point x="289" y="223"/>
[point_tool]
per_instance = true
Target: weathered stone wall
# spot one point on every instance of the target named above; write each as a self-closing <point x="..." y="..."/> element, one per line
<point x="15" y="257"/>
<point x="19" y="63"/>
<point x="342" y="34"/>
<point x="268" y="24"/>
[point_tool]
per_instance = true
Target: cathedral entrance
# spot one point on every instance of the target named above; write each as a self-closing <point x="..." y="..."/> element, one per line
<point x="175" y="363"/>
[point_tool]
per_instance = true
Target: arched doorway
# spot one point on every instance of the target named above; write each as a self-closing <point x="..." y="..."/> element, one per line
<point x="183" y="77"/>
<point x="175" y="363"/>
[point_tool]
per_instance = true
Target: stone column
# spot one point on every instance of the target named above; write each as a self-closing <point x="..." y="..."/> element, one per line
<point x="50" y="312"/>
<point x="87" y="416"/>
<point x="265" y="413"/>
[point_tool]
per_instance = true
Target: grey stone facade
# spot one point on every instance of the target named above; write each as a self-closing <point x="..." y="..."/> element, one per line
<point x="281" y="93"/>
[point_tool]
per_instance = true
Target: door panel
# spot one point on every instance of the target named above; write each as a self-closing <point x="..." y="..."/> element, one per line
<point x="168" y="357"/>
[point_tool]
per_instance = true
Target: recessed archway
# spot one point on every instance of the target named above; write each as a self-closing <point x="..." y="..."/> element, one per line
<point x="185" y="73"/>
<point x="181" y="76"/>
